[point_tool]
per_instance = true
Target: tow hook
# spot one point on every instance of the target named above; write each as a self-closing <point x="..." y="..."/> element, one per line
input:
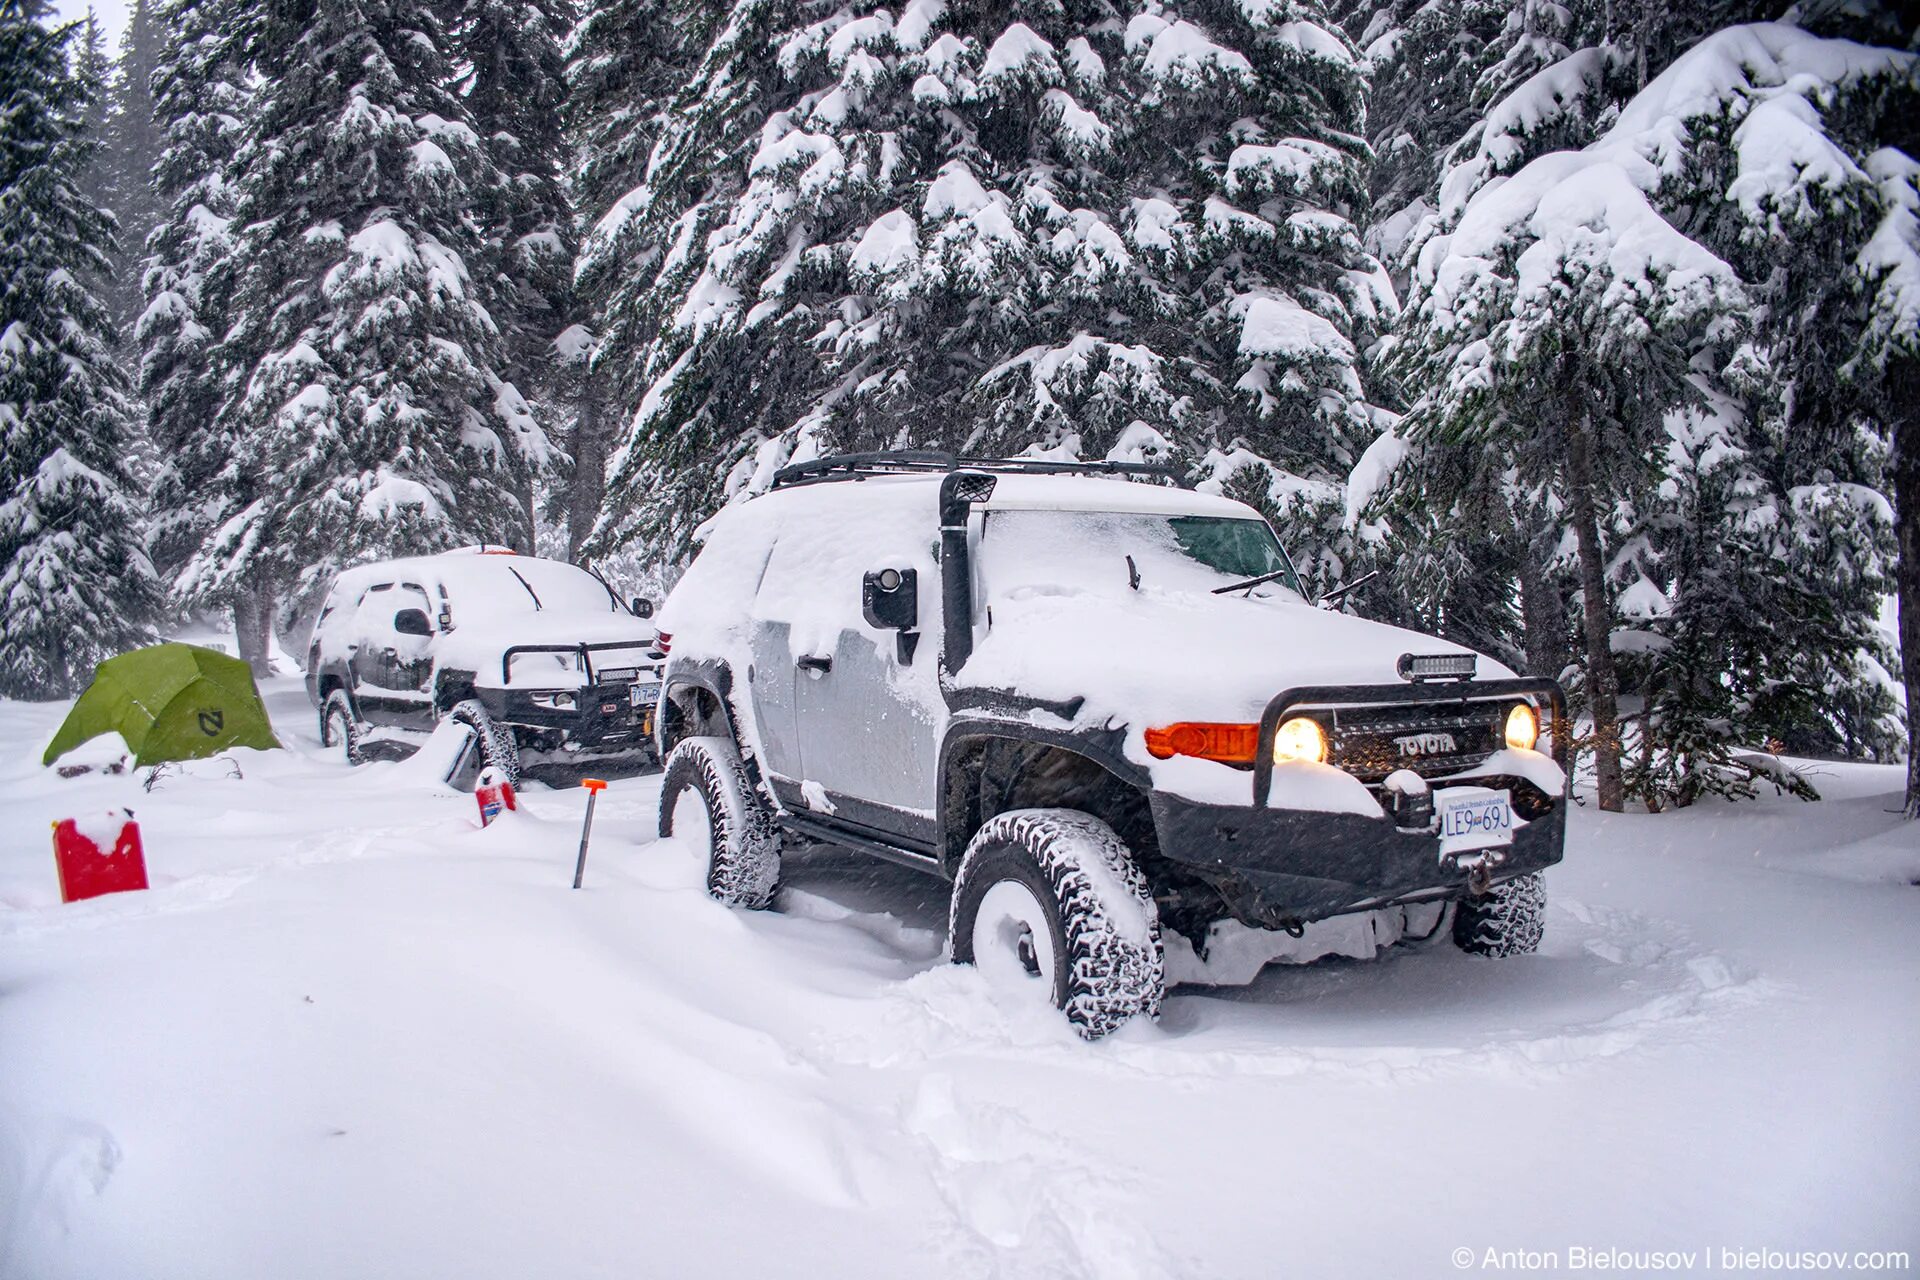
<point x="1478" y="866"/>
<point x="1293" y="928"/>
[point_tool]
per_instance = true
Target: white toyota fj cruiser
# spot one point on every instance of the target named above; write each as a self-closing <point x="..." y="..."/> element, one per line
<point x="1102" y="709"/>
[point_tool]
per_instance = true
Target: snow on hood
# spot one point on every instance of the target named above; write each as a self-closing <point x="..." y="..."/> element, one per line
<point x="1161" y="657"/>
<point x="1166" y="656"/>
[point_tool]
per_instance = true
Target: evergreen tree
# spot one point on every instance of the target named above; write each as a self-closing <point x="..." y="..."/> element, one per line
<point x="1740" y="536"/>
<point x="133" y="140"/>
<point x="365" y="404"/>
<point x="1882" y="375"/>
<point x="75" y="584"/>
<point x="201" y="101"/>
<point x="1006" y="228"/>
<point x="514" y="92"/>
<point x="631" y="60"/>
<point x="92" y="69"/>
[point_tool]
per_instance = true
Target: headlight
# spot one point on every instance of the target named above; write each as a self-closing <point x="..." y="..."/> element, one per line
<point x="1523" y="727"/>
<point x="1300" y="738"/>
<point x="557" y="701"/>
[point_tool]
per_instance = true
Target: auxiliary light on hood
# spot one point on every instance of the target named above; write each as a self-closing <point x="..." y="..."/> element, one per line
<point x="1437" y="666"/>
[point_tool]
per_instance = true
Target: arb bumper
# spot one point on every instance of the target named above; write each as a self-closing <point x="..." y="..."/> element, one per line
<point x="1279" y="867"/>
<point x="1276" y="867"/>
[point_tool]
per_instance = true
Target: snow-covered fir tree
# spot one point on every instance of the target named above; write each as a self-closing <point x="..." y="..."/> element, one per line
<point x="132" y="141"/>
<point x="630" y="60"/>
<point x="75" y="583"/>
<point x="1732" y="495"/>
<point x="201" y="103"/>
<point x="368" y="406"/>
<point x="1881" y="371"/>
<point x="513" y="87"/>
<point x="1081" y="229"/>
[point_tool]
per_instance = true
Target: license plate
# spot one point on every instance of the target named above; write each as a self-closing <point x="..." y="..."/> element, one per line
<point x="644" y="695"/>
<point x="1473" y="818"/>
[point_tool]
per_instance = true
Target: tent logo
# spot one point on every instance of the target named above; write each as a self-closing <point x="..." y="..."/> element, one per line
<point x="211" y="722"/>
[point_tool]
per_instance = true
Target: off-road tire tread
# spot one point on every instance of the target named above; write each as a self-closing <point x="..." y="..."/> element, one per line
<point x="1508" y="920"/>
<point x="743" y="860"/>
<point x="497" y="746"/>
<point x="1110" y="978"/>
<point x="339" y="704"/>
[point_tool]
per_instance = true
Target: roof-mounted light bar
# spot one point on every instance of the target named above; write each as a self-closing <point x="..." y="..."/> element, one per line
<point x="1437" y="666"/>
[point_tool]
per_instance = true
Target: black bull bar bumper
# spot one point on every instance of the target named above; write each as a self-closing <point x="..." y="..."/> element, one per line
<point x="1286" y="867"/>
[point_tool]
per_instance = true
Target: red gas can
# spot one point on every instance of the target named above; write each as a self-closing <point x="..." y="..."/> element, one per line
<point x="494" y="793"/>
<point x="98" y="854"/>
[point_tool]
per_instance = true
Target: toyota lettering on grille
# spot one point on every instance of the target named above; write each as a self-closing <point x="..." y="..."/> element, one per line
<point x="1426" y="744"/>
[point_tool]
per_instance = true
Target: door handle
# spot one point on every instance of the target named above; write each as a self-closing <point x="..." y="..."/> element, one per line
<point x="813" y="662"/>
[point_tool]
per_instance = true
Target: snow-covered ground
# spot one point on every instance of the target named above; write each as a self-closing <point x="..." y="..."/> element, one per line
<point x="348" y="1033"/>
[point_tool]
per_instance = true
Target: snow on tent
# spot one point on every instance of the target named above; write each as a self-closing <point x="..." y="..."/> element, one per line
<point x="170" y="702"/>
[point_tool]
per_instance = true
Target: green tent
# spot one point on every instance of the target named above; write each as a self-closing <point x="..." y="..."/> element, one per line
<point x="170" y="702"/>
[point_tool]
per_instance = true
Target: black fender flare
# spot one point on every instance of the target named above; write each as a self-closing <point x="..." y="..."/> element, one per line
<point x="1100" y="745"/>
<point x="713" y="676"/>
<point x="451" y="687"/>
<point x="331" y="675"/>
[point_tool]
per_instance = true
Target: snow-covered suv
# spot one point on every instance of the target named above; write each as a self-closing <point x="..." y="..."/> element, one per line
<point x="1100" y="708"/>
<point x="540" y="657"/>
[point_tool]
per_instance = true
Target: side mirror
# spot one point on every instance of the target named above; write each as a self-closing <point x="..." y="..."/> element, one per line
<point x="641" y="607"/>
<point x="891" y="599"/>
<point x="412" y="622"/>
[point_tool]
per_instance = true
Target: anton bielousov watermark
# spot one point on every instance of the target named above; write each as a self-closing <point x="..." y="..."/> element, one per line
<point x="1704" y="1258"/>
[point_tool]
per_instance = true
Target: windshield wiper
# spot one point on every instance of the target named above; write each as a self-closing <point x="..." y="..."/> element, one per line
<point x="608" y="588"/>
<point x="1248" y="584"/>
<point x="1340" y="592"/>
<point x="523" y="582"/>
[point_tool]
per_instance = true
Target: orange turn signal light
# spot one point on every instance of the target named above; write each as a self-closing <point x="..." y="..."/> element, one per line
<point x="1227" y="743"/>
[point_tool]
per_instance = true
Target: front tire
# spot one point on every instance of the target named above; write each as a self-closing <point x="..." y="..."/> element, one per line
<point x="706" y="781"/>
<point x="1050" y="901"/>
<point x="1507" y="920"/>
<point x="339" y="727"/>
<point x="497" y="746"/>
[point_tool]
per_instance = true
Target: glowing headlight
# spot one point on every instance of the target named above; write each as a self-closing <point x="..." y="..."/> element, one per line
<point x="1523" y="727"/>
<point x="1300" y="738"/>
<point x="557" y="701"/>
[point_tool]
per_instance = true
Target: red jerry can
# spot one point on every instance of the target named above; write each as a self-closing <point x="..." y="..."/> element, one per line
<point x="494" y="794"/>
<point x="101" y="856"/>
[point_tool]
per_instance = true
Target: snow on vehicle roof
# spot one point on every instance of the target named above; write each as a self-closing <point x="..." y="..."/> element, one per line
<point x="482" y="581"/>
<point x="1097" y="493"/>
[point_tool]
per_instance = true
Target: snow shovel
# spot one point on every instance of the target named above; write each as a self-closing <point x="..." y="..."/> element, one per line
<point x="594" y="787"/>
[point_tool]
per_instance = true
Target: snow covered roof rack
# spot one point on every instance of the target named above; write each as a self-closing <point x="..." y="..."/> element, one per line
<point x="858" y="466"/>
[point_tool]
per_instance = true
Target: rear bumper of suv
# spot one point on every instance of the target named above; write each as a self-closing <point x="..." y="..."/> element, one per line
<point x="1277" y="867"/>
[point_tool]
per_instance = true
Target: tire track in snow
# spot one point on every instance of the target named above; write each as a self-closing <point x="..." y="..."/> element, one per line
<point x="1679" y="992"/>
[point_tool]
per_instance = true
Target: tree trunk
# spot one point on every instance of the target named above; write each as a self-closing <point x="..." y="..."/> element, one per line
<point x="253" y="629"/>
<point x="1903" y="388"/>
<point x="1541" y="620"/>
<point x="1602" y="682"/>
<point x="532" y="541"/>
<point x="588" y="485"/>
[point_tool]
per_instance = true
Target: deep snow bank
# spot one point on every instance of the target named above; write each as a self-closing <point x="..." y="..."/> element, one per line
<point x="348" y="1033"/>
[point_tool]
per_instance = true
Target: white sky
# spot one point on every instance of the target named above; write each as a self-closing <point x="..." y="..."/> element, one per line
<point x="112" y="15"/>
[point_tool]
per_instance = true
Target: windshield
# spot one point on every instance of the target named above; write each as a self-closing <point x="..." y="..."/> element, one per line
<point x="489" y="587"/>
<point x="1088" y="550"/>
